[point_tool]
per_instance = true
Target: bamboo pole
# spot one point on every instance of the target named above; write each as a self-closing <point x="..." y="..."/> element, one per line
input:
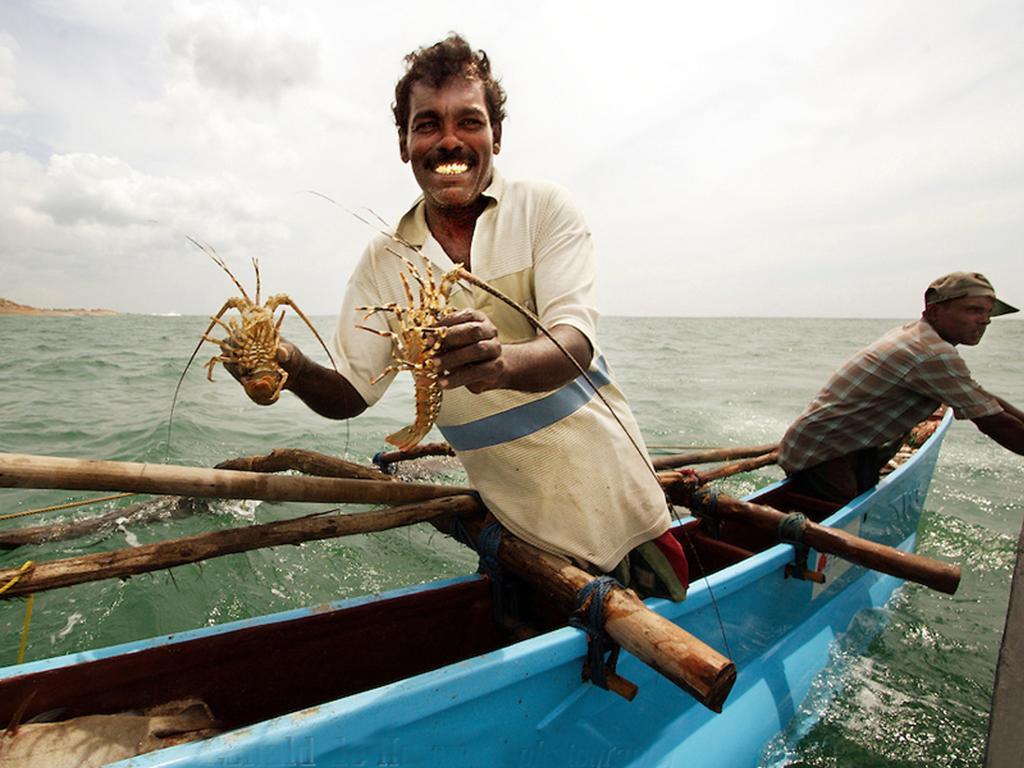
<point x="937" y="575"/>
<point x="25" y="471"/>
<point x="711" y="455"/>
<point x="190" y="549"/>
<point x="688" y="662"/>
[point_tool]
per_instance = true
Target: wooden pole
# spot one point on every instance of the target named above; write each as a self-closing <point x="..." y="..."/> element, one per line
<point x="746" y="465"/>
<point x="688" y="662"/>
<point x="167" y="554"/>
<point x="24" y="471"/>
<point x="307" y="462"/>
<point x="416" y="452"/>
<point x="160" y="508"/>
<point x="895" y="562"/>
<point x="711" y="455"/>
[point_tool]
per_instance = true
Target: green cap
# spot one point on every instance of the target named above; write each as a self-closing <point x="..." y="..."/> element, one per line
<point x="956" y="285"/>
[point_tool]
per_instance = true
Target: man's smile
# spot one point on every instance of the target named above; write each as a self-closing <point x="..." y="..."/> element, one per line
<point x="451" y="168"/>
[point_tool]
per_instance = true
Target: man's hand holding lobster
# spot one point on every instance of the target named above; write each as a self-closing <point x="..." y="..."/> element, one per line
<point x="471" y="356"/>
<point x="323" y="389"/>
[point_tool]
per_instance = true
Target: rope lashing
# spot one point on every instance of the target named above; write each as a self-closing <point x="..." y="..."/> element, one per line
<point x="791" y="529"/>
<point x="382" y="465"/>
<point x="710" y="522"/>
<point x="589" y="616"/>
<point x="503" y="592"/>
<point x="487" y="548"/>
<point x="460" y="534"/>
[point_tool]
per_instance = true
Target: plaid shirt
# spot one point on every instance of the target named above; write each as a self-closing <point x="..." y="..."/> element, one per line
<point x="880" y="393"/>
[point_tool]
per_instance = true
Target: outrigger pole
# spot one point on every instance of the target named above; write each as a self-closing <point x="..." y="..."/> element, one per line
<point x="682" y="658"/>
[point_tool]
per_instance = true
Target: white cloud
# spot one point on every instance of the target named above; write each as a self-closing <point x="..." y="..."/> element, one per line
<point x="115" y="16"/>
<point x="10" y="101"/>
<point x="99" y="225"/>
<point x="838" y="152"/>
<point x="244" y="54"/>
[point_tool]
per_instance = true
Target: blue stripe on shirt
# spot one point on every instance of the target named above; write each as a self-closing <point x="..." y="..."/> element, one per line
<point x="527" y="418"/>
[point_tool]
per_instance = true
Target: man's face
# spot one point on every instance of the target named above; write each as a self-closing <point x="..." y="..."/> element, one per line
<point x="450" y="142"/>
<point x="961" y="321"/>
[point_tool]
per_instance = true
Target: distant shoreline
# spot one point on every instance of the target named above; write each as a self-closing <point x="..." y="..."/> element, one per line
<point x="8" y="307"/>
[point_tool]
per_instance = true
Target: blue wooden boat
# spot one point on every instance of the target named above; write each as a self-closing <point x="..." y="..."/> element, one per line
<point x="424" y="676"/>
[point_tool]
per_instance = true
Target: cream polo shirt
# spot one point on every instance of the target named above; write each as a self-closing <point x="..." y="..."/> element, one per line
<point x="554" y="467"/>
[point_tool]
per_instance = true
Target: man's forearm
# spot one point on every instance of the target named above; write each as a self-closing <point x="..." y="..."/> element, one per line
<point x="324" y="390"/>
<point x="1011" y="410"/>
<point x="539" y="365"/>
<point x="1005" y="428"/>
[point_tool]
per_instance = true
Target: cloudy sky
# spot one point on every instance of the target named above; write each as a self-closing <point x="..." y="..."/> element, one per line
<point x="818" y="158"/>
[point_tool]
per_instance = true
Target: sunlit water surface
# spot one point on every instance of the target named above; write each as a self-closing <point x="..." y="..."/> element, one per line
<point x="909" y="685"/>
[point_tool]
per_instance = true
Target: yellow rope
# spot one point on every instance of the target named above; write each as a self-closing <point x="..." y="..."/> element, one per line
<point x="17" y="577"/>
<point x="28" y="607"/>
<point x="24" y="629"/>
<point x="68" y="505"/>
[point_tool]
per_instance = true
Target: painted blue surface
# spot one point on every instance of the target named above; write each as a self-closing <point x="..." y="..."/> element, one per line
<point x="525" y="706"/>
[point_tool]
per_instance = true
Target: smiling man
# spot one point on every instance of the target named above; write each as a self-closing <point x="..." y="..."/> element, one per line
<point x="548" y="457"/>
<point x="838" y="445"/>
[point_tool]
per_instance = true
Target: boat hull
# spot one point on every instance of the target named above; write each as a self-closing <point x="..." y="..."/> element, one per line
<point x="525" y="705"/>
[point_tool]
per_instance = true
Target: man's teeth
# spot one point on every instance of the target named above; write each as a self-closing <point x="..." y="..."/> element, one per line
<point x="451" y="169"/>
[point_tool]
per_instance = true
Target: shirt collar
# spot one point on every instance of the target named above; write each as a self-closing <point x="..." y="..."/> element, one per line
<point x="412" y="227"/>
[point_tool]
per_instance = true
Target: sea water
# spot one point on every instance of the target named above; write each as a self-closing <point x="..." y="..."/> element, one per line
<point x="908" y="686"/>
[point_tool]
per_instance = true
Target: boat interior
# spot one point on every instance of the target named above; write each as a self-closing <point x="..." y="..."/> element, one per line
<point x="257" y="672"/>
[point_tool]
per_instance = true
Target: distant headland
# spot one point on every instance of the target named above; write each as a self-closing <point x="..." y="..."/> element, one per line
<point x="8" y="307"/>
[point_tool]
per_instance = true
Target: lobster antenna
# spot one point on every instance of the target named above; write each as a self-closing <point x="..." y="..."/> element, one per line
<point x="209" y="251"/>
<point x="256" y="268"/>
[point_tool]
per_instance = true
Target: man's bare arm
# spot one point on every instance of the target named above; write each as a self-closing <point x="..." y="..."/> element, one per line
<point x="323" y="389"/>
<point x="1010" y="409"/>
<point x="474" y="358"/>
<point x="1006" y="428"/>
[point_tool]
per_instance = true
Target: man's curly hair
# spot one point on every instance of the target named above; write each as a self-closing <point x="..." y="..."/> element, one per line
<point x="436" y="64"/>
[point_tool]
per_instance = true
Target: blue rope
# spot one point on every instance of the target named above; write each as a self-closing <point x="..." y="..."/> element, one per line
<point x="487" y="548"/>
<point x="383" y="466"/>
<point x="709" y="519"/>
<point x="460" y="534"/>
<point x="589" y="616"/>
